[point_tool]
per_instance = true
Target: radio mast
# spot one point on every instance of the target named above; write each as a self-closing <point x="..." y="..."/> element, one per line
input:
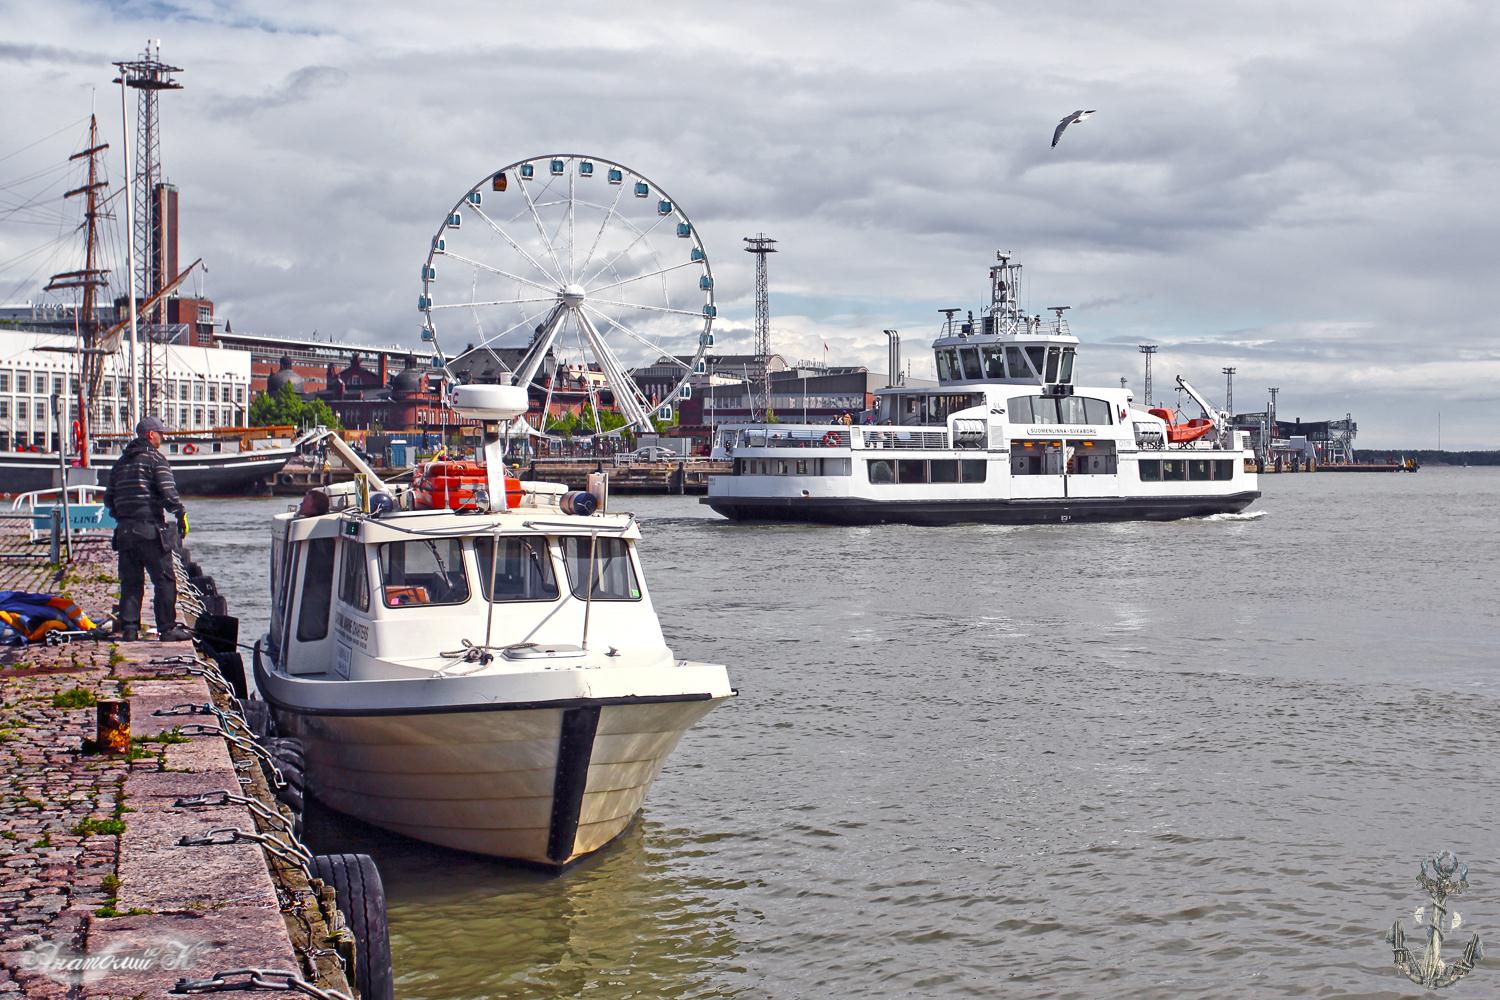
<point x="760" y="376"/>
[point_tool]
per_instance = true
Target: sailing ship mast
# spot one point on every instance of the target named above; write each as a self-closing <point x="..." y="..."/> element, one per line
<point x="90" y="360"/>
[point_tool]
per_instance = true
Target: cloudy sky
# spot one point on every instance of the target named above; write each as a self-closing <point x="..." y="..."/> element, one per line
<point x="1303" y="191"/>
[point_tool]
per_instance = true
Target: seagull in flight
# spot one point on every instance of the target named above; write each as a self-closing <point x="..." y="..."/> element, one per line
<point x="1076" y="116"/>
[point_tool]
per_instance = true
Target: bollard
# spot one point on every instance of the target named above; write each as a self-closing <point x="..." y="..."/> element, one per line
<point x="112" y="727"/>
<point x="56" y="536"/>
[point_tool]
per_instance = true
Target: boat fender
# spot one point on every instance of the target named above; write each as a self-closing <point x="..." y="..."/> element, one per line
<point x="381" y="502"/>
<point x="190" y="449"/>
<point x="77" y="436"/>
<point x="232" y="666"/>
<point x="360" y="895"/>
<point x="579" y="502"/>
<point x="257" y="715"/>
<point x="831" y="439"/>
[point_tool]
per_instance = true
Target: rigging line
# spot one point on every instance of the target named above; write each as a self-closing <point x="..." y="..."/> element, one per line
<point x="56" y="168"/>
<point x="514" y="245"/>
<point x="628" y="247"/>
<point x="69" y="125"/>
<point x="648" y="274"/>
<point x="541" y="229"/>
<point x="603" y="224"/>
<point x="640" y="337"/>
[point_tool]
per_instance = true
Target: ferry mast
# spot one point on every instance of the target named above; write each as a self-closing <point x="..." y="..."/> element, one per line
<point x="1005" y="296"/>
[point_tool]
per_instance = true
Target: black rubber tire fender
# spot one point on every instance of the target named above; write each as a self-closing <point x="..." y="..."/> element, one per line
<point x="257" y="716"/>
<point x="286" y="750"/>
<point x="361" y="899"/>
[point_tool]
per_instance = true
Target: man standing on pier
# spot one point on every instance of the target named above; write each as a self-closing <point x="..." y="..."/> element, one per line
<point x="142" y="491"/>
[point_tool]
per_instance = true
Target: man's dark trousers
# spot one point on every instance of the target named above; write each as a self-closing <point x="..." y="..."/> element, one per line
<point x="142" y="553"/>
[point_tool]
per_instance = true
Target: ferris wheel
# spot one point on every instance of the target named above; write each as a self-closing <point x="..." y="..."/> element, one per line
<point x="566" y="273"/>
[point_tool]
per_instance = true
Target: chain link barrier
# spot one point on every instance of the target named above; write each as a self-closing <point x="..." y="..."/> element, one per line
<point x="293" y="853"/>
<point x="256" y="979"/>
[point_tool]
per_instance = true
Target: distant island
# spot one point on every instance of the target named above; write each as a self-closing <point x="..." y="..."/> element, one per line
<point x="1429" y="456"/>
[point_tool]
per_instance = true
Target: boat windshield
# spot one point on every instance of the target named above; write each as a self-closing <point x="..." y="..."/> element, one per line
<point x="613" y="578"/>
<point x="426" y="571"/>
<point x="524" y="572"/>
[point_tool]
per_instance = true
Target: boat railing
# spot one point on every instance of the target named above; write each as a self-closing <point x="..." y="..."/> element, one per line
<point x="86" y="514"/>
<point x="901" y="437"/>
<point x="787" y="436"/>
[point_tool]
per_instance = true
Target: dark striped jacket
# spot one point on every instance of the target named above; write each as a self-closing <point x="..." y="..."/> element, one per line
<point x="141" y="485"/>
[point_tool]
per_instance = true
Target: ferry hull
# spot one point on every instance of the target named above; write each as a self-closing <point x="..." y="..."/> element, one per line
<point x="546" y="785"/>
<point x="857" y="510"/>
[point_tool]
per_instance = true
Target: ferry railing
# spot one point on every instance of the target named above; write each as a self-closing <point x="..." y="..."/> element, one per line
<point x="813" y="436"/>
<point x="903" y="438"/>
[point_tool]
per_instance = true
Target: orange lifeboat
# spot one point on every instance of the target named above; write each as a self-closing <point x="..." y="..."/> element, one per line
<point x="1183" y="433"/>
<point x="452" y="485"/>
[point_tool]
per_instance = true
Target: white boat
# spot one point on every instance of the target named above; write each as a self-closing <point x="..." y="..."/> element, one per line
<point x="1005" y="437"/>
<point x="518" y="706"/>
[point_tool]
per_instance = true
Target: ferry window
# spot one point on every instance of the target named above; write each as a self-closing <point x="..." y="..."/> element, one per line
<point x="614" y="576"/>
<point x="1044" y="410"/>
<point x="1224" y="468"/>
<point x="429" y="571"/>
<point x="1018" y="409"/>
<point x="943" y="471"/>
<point x="317" y="591"/>
<point x="882" y="471"/>
<point x="1199" y="468"/>
<point x="1016" y="362"/>
<point x="970" y="356"/>
<point x="1066" y="374"/>
<point x="1052" y="354"/>
<point x="523" y="574"/>
<point x="1174" y="472"/>
<point x="1072" y="410"/>
<point x="910" y="470"/>
<point x="1097" y="411"/>
<point x="1036" y="354"/>
<point x="947" y="364"/>
<point x="1026" y="460"/>
<point x="972" y="470"/>
<point x="994" y="362"/>
<point x="1150" y="470"/>
<point x="834" y="466"/>
<point x="1092" y="458"/>
<point x="354" y="580"/>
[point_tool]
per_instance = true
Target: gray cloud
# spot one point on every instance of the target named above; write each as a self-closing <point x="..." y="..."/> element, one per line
<point x="1311" y="204"/>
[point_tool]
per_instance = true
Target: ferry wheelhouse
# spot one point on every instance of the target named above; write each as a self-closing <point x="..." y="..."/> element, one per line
<point x="475" y="661"/>
<point x="1006" y="437"/>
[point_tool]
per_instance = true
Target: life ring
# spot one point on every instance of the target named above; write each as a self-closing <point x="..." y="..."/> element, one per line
<point x="77" y="435"/>
<point x="190" y="449"/>
<point x="831" y="439"/>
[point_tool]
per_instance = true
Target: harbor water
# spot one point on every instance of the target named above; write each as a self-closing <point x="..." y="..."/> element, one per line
<point x="1190" y="759"/>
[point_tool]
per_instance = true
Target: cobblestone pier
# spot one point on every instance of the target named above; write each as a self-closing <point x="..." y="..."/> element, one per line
<point x="99" y="897"/>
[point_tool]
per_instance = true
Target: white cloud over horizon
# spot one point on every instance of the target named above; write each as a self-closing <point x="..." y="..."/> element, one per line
<point x="1302" y="192"/>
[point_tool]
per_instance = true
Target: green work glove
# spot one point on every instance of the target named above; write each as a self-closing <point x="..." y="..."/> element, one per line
<point x="182" y="524"/>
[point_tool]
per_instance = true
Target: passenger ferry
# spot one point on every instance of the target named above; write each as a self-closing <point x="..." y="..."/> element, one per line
<point x="1005" y="438"/>
<point x="474" y="661"/>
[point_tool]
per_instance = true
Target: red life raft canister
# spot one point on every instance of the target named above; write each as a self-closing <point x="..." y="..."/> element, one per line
<point x="453" y="485"/>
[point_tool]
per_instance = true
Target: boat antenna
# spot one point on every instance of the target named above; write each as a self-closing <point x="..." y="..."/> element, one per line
<point x="588" y="603"/>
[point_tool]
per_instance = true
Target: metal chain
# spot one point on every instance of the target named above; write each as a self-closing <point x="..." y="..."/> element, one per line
<point x="295" y="854"/>
<point x="257" y="979"/>
<point x="224" y="797"/>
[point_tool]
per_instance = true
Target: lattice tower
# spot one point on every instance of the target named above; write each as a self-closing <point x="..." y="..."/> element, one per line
<point x="760" y="377"/>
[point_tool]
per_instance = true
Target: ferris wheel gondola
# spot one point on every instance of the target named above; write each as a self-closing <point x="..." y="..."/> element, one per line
<point x="578" y="278"/>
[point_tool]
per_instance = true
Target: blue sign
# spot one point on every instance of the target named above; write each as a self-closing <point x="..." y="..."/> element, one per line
<point x="81" y="517"/>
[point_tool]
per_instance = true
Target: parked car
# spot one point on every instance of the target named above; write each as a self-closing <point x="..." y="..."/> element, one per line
<point x="655" y="453"/>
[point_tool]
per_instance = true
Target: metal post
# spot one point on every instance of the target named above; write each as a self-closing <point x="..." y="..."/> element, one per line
<point x="1229" y="390"/>
<point x="133" y="361"/>
<point x="56" y="558"/>
<point x="1148" y="350"/>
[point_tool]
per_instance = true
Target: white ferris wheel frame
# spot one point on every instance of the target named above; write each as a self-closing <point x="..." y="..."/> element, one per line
<point x="563" y="301"/>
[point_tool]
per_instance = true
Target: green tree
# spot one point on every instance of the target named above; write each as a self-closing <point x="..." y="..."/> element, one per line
<point x="286" y="407"/>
